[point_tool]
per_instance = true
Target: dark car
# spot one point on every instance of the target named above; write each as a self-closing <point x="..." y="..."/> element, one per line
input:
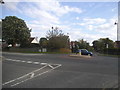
<point x="84" y="52"/>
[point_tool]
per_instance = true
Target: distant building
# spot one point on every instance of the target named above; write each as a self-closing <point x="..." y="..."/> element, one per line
<point x="3" y="44"/>
<point x="34" y="40"/>
<point x="73" y="46"/>
<point x="117" y="44"/>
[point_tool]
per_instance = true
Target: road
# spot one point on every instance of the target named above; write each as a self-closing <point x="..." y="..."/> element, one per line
<point x="58" y="71"/>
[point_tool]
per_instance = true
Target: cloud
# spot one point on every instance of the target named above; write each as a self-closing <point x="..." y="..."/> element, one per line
<point x="12" y="5"/>
<point x="114" y="9"/>
<point x="77" y="18"/>
<point x="77" y="34"/>
<point x="56" y="8"/>
<point x="90" y="27"/>
<point x="94" y="20"/>
<point x="91" y="31"/>
<point x="91" y="21"/>
<point x="107" y="29"/>
<point x="45" y="14"/>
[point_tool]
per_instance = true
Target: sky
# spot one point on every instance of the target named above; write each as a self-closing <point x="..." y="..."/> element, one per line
<point x="80" y="20"/>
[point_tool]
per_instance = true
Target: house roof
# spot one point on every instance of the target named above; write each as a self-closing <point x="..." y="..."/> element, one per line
<point x="34" y="40"/>
<point x="31" y="39"/>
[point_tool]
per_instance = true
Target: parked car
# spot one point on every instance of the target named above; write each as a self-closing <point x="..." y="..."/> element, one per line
<point x="84" y="52"/>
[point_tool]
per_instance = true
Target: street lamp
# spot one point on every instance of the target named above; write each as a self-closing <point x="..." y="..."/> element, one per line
<point x="2" y="2"/>
<point x="117" y="29"/>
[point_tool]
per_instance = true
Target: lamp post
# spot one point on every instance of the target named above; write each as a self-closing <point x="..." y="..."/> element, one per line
<point x="117" y="29"/>
<point x="2" y="2"/>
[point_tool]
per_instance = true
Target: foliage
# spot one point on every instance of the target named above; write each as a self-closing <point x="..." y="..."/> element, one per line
<point x="63" y="50"/>
<point x="43" y="42"/>
<point x="111" y="51"/>
<point x="58" y="42"/>
<point x="57" y="39"/>
<point x="15" y="30"/>
<point x="83" y="44"/>
<point x="54" y="33"/>
<point x="102" y="43"/>
<point x="80" y="44"/>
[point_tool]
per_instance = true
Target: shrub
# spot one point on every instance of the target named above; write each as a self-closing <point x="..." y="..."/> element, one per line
<point x="64" y="50"/>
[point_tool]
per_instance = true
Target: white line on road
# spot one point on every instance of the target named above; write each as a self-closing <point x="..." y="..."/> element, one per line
<point x="24" y="75"/>
<point x="36" y="75"/>
<point x="29" y="62"/>
<point x="23" y="54"/>
<point x="31" y="73"/>
<point x="23" y="61"/>
<point x="36" y="62"/>
<point x="13" y="60"/>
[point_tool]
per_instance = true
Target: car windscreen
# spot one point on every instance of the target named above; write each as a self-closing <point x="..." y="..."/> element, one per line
<point x="84" y="51"/>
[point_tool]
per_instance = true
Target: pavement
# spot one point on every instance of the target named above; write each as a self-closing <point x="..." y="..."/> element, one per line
<point x="58" y="71"/>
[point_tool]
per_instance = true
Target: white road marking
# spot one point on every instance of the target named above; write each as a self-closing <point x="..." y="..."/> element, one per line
<point x="36" y="62"/>
<point x="18" y="60"/>
<point x="24" y="54"/>
<point x="23" y="61"/>
<point x="29" y="62"/>
<point x="43" y="63"/>
<point x="36" y="76"/>
<point x="51" y="66"/>
<point x="13" y="60"/>
<point x="31" y="73"/>
<point x="24" y="75"/>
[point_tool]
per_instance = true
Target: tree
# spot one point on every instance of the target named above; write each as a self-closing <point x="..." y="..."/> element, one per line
<point x="55" y="32"/>
<point x="84" y="44"/>
<point x="43" y="42"/>
<point x="96" y="45"/>
<point x="57" y="39"/>
<point x="15" y="30"/>
<point x="102" y="43"/>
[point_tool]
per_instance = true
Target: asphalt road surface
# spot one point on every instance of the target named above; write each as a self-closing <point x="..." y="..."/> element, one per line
<point x="58" y="71"/>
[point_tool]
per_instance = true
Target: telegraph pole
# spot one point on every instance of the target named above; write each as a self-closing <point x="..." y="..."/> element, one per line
<point x="118" y="24"/>
<point x="118" y="28"/>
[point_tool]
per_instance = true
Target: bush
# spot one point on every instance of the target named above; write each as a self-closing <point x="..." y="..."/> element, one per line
<point x="65" y="50"/>
<point x="18" y="49"/>
<point x="112" y="51"/>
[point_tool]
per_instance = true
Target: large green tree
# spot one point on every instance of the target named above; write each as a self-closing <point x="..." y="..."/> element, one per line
<point x="43" y="42"/>
<point x="83" y="44"/>
<point x="15" y="30"/>
<point x="102" y="43"/>
<point x="57" y="39"/>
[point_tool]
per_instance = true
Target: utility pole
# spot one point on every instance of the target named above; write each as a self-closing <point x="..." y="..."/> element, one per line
<point x="118" y="28"/>
<point x="118" y="24"/>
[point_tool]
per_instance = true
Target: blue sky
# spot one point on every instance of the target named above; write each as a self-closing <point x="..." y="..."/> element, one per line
<point x="87" y="20"/>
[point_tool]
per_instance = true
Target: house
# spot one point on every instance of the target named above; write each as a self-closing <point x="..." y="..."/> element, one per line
<point x="117" y="44"/>
<point x="3" y="44"/>
<point x="34" y="40"/>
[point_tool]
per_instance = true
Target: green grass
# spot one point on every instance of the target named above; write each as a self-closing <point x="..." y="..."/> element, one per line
<point x="40" y="52"/>
<point x="109" y="55"/>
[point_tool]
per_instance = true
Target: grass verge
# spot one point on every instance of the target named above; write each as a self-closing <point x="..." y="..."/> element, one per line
<point x="38" y="52"/>
<point x="109" y="55"/>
